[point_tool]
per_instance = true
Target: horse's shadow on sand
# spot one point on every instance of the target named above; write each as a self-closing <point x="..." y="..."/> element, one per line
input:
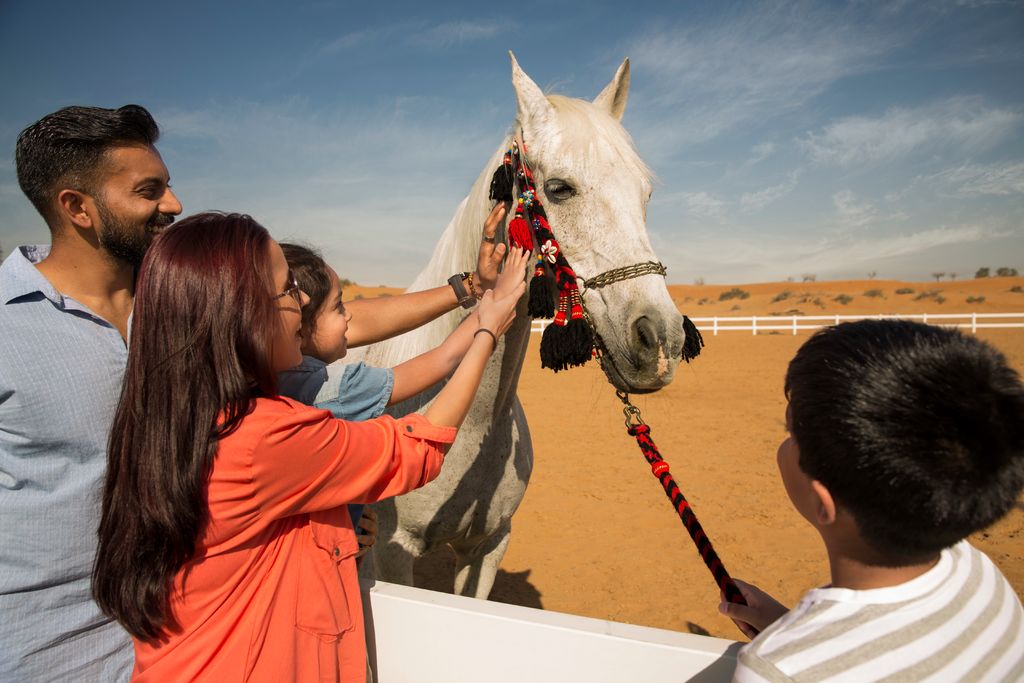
<point x="436" y="571"/>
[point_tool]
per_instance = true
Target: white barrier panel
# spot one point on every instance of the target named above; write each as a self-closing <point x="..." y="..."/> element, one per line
<point x="421" y="636"/>
<point x="794" y="323"/>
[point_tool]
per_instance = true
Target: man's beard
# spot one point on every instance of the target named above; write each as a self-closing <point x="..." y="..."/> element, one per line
<point x="126" y="242"/>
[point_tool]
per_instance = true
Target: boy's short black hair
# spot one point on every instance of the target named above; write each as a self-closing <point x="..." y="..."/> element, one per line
<point x="916" y="430"/>
<point x="67" y="147"/>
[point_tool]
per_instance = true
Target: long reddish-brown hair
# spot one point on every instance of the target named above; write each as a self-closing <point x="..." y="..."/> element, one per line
<point x="199" y="356"/>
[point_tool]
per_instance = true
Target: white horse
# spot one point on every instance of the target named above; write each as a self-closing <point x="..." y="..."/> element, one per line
<point x="595" y="189"/>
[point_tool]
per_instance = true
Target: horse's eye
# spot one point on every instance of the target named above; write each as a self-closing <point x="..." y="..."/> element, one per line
<point x="558" y="189"/>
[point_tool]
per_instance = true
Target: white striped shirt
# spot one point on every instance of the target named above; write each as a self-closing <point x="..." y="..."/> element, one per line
<point x="959" y="621"/>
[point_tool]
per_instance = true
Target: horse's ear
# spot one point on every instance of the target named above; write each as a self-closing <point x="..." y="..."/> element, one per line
<point x="613" y="98"/>
<point x="533" y="105"/>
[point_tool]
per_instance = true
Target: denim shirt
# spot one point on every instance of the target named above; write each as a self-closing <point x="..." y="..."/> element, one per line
<point x="61" y="367"/>
<point x="352" y="392"/>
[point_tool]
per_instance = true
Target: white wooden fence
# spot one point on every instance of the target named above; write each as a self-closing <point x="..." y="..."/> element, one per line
<point x="795" y="323"/>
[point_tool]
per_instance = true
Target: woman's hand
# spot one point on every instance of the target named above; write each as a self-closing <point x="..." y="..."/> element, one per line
<point x="759" y="613"/>
<point x="496" y="314"/>
<point x="368" y="524"/>
<point x="514" y="272"/>
<point x="491" y="252"/>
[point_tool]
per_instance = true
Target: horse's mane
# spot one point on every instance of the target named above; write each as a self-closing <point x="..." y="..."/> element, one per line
<point x="457" y="249"/>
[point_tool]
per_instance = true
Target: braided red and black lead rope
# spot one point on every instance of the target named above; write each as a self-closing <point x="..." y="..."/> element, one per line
<point x="660" y="468"/>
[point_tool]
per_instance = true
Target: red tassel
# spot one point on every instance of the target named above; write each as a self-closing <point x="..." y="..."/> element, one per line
<point x="519" y="233"/>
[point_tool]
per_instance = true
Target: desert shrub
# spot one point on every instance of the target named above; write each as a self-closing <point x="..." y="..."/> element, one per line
<point x="358" y="296"/>
<point x="793" y="311"/>
<point x="930" y="294"/>
<point x="818" y="302"/>
<point x="1016" y="289"/>
<point x="734" y="293"/>
<point x="975" y="299"/>
<point x="873" y="293"/>
<point x="809" y="277"/>
<point x="843" y="299"/>
<point x="781" y="296"/>
<point x="905" y="290"/>
<point x="982" y="272"/>
<point x="383" y="294"/>
<point x="704" y="300"/>
<point x="735" y="307"/>
<point x="939" y="299"/>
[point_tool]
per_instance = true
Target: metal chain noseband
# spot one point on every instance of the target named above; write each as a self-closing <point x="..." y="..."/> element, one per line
<point x="625" y="273"/>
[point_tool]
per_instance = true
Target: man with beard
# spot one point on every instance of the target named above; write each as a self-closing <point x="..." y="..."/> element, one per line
<point x="104" y="192"/>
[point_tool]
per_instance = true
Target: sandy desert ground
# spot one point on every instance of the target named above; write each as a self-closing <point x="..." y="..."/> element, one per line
<point x="596" y="535"/>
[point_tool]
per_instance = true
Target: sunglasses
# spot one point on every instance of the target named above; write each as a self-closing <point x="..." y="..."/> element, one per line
<point x="292" y="289"/>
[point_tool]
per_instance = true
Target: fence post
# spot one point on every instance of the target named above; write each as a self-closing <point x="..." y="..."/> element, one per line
<point x="753" y="325"/>
<point x="837" y="318"/>
<point x="794" y="325"/>
<point x="924" y="318"/>
<point x="715" y="326"/>
<point x="974" y="323"/>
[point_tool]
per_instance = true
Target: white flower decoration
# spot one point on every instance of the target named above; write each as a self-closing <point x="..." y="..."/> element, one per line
<point x="549" y="250"/>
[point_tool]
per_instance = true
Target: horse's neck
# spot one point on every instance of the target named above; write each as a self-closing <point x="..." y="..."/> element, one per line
<point x="456" y="252"/>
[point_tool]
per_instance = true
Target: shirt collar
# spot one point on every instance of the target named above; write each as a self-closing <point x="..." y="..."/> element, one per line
<point x="19" y="275"/>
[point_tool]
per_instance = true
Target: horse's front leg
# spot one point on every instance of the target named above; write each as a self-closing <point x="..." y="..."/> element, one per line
<point x="476" y="568"/>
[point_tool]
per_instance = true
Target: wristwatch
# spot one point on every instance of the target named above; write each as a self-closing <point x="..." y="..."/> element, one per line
<point x="466" y="299"/>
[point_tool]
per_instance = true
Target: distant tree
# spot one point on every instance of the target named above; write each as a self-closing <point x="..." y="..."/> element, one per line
<point x="938" y="276"/>
<point x="1006" y="272"/>
<point x="982" y="272"/>
<point x="809" y="277"/>
<point x="872" y="274"/>
<point x="699" y="281"/>
<point x="952" y="276"/>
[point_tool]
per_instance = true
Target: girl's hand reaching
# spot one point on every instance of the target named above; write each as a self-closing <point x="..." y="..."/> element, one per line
<point x="496" y="314"/>
<point x="514" y="272"/>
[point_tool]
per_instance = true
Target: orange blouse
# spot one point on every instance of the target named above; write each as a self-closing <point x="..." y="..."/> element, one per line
<point x="273" y="593"/>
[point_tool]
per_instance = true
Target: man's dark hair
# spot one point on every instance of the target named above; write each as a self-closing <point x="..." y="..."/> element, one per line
<point x="916" y="430"/>
<point x="67" y="147"/>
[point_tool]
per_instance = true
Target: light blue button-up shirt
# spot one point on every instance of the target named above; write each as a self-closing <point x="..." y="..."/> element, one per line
<point x="60" y="379"/>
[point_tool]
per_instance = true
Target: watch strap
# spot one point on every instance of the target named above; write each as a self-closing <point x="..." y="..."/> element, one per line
<point x="465" y="299"/>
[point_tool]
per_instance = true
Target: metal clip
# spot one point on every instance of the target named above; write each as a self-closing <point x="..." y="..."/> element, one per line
<point x="631" y="412"/>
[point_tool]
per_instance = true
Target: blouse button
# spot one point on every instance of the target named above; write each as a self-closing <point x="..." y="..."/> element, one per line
<point x="337" y="551"/>
<point x="408" y="428"/>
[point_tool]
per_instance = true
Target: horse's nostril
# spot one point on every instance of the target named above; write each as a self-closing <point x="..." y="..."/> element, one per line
<point x="646" y="333"/>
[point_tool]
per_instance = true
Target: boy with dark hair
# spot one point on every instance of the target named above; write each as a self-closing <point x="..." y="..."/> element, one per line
<point x="904" y="439"/>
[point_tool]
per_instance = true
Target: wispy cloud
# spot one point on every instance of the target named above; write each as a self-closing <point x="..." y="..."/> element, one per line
<point x="756" y="65"/>
<point x="973" y="180"/>
<point x="323" y="176"/>
<point x="418" y="33"/>
<point x="958" y="123"/>
<point x="755" y="201"/>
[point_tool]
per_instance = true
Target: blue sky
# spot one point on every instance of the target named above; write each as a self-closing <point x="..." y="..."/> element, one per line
<point x="788" y="138"/>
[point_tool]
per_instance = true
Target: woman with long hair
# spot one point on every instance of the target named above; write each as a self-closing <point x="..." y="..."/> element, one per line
<point x="225" y="547"/>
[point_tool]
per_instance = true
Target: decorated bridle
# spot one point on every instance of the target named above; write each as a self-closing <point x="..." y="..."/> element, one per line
<point x="571" y="339"/>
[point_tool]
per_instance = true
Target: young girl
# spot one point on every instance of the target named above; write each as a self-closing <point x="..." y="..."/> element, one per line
<point x="358" y="391"/>
<point x="224" y="545"/>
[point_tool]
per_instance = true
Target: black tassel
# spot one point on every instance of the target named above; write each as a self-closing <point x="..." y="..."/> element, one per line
<point x="551" y="355"/>
<point x="694" y="341"/>
<point x="501" y="184"/>
<point x="579" y="342"/>
<point x="566" y="346"/>
<point x="541" y="303"/>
